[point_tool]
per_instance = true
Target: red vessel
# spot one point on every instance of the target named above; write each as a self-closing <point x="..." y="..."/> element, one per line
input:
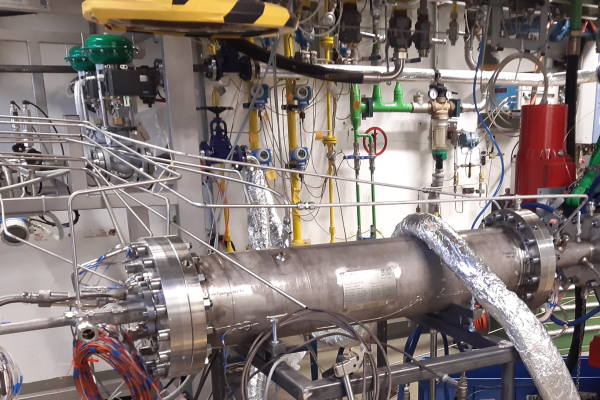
<point x="542" y="161"/>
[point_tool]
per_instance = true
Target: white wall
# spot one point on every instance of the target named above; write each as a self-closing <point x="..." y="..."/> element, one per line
<point x="407" y="160"/>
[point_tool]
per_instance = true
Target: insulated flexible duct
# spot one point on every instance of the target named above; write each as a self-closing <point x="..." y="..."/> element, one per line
<point x="265" y="229"/>
<point x="538" y="352"/>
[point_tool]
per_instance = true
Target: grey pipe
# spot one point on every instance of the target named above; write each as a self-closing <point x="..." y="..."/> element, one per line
<point x="537" y="350"/>
<point x="8" y="178"/>
<point x="315" y="275"/>
<point x="459" y="76"/>
<point x="111" y="214"/>
<point x="472" y="64"/>
<point x="379" y="76"/>
<point x="56" y="174"/>
<point x="35" y="325"/>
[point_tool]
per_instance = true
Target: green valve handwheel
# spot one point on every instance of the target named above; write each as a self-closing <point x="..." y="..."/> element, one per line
<point x="78" y="61"/>
<point x="108" y="49"/>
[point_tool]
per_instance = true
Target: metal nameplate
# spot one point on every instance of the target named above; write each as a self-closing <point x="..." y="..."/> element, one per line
<point x="368" y="288"/>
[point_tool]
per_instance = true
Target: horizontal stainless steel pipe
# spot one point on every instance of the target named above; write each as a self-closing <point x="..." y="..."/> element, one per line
<point x="35" y="325"/>
<point x="460" y="76"/>
<point x="370" y="280"/>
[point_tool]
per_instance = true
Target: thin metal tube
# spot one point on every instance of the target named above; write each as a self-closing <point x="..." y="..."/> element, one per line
<point x="111" y="213"/>
<point x="70" y="209"/>
<point x="124" y="203"/>
<point x="35" y="325"/>
<point x="54" y="254"/>
<point x="33" y="181"/>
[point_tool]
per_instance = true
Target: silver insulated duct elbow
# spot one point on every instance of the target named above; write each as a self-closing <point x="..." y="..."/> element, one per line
<point x="538" y="352"/>
<point x="265" y="229"/>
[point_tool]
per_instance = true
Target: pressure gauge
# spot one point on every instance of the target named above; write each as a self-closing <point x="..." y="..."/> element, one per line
<point x="433" y="93"/>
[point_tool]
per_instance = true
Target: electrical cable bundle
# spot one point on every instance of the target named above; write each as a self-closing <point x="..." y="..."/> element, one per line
<point x="116" y="348"/>
<point x="11" y="379"/>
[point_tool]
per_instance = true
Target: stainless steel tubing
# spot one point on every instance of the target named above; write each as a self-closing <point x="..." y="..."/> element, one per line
<point x="461" y="76"/>
<point x="34" y="181"/>
<point x="410" y="278"/>
<point x="34" y="325"/>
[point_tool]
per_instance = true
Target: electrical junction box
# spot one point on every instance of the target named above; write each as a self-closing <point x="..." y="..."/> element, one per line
<point x="140" y="82"/>
<point x="507" y="97"/>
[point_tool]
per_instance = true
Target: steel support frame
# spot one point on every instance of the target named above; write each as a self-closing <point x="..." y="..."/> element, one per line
<point x="184" y="127"/>
<point x="488" y="351"/>
<point x="300" y="387"/>
<point x="502" y="42"/>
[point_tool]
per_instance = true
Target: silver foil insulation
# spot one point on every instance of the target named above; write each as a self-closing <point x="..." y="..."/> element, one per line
<point x="537" y="350"/>
<point x="343" y="340"/>
<point x="265" y="229"/>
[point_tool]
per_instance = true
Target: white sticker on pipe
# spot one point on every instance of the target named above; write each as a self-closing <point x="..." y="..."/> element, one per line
<point x="368" y="288"/>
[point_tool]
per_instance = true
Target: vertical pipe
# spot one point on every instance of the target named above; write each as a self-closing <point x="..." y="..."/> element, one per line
<point x="331" y="140"/>
<point x="373" y="211"/>
<point x="435" y="54"/>
<point x="507" y="388"/>
<point x="382" y="335"/>
<point x="293" y="143"/>
<point x="253" y="121"/>
<point x="314" y="362"/>
<point x="433" y="343"/>
<point x="218" y="377"/>
<point x="573" y="55"/>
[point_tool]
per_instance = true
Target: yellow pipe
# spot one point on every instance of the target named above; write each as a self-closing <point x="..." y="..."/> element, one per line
<point x="329" y="140"/>
<point x="223" y="182"/>
<point x="252" y="122"/>
<point x="213" y="49"/>
<point x="227" y="230"/>
<point x="293" y="142"/>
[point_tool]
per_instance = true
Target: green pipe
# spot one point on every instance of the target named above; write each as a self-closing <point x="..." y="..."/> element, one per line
<point x="373" y="207"/>
<point x="575" y="18"/>
<point x="588" y="178"/>
<point x="398" y="105"/>
<point x="363" y="108"/>
<point x="356" y="107"/>
<point x="358" y="217"/>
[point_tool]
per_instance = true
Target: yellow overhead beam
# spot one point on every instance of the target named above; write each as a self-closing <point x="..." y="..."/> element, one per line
<point x="205" y="18"/>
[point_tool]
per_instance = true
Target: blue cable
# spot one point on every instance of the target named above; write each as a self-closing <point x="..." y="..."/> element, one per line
<point x="590" y="193"/>
<point x="578" y="321"/>
<point x="487" y="130"/>
<point x="415" y="341"/>
<point x="534" y="204"/>
<point x="410" y="340"/>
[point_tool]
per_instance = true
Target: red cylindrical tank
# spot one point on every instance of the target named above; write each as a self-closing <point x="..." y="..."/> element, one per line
<point x="542" y="161"/>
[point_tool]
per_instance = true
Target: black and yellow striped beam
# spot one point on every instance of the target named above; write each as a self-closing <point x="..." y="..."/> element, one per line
<point x="206" y="18"/>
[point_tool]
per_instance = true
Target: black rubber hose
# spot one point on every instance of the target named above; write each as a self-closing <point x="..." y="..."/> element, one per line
<point x="571" y="101"/>
<point x="312" y="71"/>
<point x="578" y="332"/>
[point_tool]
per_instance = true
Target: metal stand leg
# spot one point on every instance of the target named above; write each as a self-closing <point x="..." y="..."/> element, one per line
<point x="433" y="343"/>
<point x="507" y="390"/>
<point x="218" y="377"/>
<point x="314" y="362"/>
<point x="382" y="335"/>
